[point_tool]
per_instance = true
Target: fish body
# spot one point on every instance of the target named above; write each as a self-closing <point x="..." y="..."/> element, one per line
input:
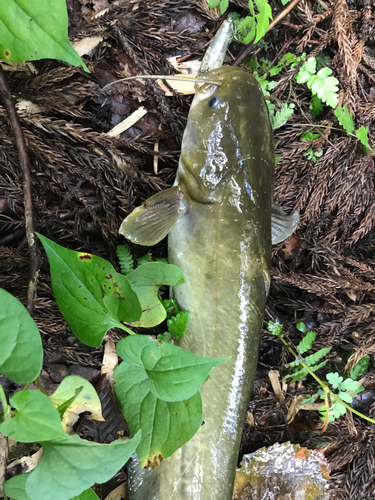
<point x="219" y="215"/>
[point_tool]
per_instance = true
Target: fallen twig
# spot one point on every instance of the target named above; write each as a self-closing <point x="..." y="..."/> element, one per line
<point x="27" y="190"/>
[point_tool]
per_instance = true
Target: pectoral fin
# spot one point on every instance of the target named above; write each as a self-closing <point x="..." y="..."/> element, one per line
<point x="152" y="221"/>
<point x="283" y="225"/>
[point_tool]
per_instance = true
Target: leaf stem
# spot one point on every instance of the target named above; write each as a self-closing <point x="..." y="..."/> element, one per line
<point x="3" y="399"/>
<point x="127" y="329"/>
<point x="39" y="385"/>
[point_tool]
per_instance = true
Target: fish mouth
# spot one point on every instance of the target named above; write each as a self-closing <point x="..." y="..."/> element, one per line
<point x="193" y="183"/>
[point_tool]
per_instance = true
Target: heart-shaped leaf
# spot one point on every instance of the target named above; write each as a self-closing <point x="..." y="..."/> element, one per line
<point x="157" y="386"/>
<point x="35" y="420"/>
<point x="146" y="281"/>
<point x="35" y="30"/>
<point x="165" y="426"/>
<point x="70" y="466"/>
<point x="21" y="352"/>
<point x="86" y="401"/>
<point x="91" y="295"/>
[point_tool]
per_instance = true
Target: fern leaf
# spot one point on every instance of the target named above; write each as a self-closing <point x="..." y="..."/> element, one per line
<point x="344" y="118"/>
<point x="314" y="358"/>
<point x="144" y="260"/>
<point x="125" y="259"/>
<point x="298" y="375"/>
<point x="306" y="342"/>
<point x="317" y="367"/>
<point x="177" y="324"/>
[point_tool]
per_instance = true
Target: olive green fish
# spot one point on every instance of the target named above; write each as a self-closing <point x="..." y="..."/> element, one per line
<point x="218" y="220"/>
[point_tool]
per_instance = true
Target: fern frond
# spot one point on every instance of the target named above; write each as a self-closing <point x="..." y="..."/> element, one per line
<point x="306" y="342"/>
<point x="314" y="358"/>
<point x="125" y="259"/>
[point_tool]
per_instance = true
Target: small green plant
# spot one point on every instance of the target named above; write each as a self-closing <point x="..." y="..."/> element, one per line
<point x="303" y="366"/>
<point x="93" y="298"/>
<point x="177" y="320"/>
<point x="347" y="122"/>
<point x="347" y="389"/>
<point x="313" y="155"/>
<point x="252" y="27"/>
<point x="321" y="83"/>
<point x="310" y="153"/>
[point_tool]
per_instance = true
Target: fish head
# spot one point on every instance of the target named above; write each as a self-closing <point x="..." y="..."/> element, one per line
<point x="227" y="124"/>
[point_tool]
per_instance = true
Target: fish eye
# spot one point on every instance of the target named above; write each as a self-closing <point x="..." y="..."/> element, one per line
<point x="214" y="101"/>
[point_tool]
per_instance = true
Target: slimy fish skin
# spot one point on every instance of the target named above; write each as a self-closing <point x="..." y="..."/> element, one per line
<point x="218" y="220"/>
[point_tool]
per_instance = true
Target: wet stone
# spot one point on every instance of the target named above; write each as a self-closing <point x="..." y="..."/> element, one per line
<point x="282" y="472"/>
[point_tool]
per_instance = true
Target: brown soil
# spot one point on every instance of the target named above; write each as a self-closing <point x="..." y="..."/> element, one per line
<point x="85" y="183"/>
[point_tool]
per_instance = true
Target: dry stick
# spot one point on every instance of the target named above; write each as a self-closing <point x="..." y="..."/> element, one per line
<point x="27" y="190"/>
<point x="277" y="19"/>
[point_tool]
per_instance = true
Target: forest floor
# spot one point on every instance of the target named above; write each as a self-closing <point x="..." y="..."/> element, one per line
<point x="85" y="182"/>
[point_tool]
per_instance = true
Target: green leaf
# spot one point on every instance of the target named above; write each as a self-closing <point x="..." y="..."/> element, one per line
<point x="33" y="30"/>
<point x="247" y="30"/>
<point x="325" y="86"/>
<point x="21" y="353"/>
<point x="308" y="136"/>
<point x="146" y="281"/>
<point x="91" y="295"/>
<point x="334" y="379"/>
<point x="263" y="18"/>
<point x="35" y="420"/>
<point x="301" y="327"/>
<point x="157" y="386"/>
<point x="125" y="259"/>
<point x="362" y="134"/>
<point x="86" y="401"/>
<point x="282" y="116"/>
<point x="313" y="155"/>
<point x="316" y="105"/>
<point x="309" y="400"/>
<point x="65" y="405"/>
<point x="144" y="260"/>
<point x="213" y="3"/>
<point x="348" y="385"/>
<point x="177" y="324"/>
<point x="69" y="466"/>
<point x="306" y="71"/>
<point x="173" y="374"/>
<point x="314" y="358"/>
<point x="87" y="495"/>
<point x="171" y="307"/>
<point x="306" y="342"/>
<point x="165" y="337"/>
<point x="223" y="6"/>
<point x="15" y="488"/>
<point x="360" y="368"/>
<point x="345" y="119"/>
<point x="275" y="328"/>
<point x="251" y="7"/>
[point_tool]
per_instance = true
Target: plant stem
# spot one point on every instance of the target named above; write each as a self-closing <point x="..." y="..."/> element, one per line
<point x="127" y="329"/>
<point x="39" y="385"/>
<point x="3" y="399"/>
<point x="27" y="190"/>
